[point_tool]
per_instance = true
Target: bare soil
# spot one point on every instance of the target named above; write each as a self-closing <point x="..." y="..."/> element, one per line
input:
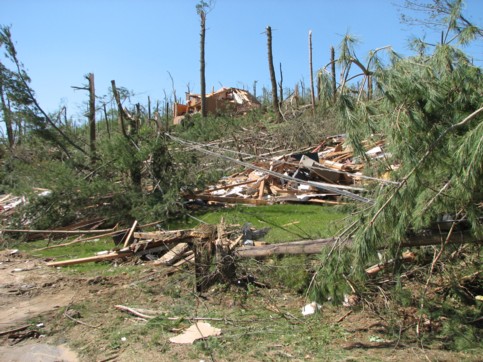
<point x="71" y="317"/>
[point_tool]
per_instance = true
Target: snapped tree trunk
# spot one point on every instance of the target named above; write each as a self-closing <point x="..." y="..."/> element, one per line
<point x="332" y="67"/>
<point x="255" y="89"/>
<point x="311" y="73"/>
<point x="204" y="112"/>
<point x="273" y="79"/>
<point x="120" y="111"/>
<point x="107" y="121"/>
<point x="280" y="85"/>
<point x="135" y="169"/>
<point x="92" y="117"/>
<point x="149" y="109"/>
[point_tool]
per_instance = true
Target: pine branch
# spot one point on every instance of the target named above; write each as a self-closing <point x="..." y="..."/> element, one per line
<point x="431" y="148"/>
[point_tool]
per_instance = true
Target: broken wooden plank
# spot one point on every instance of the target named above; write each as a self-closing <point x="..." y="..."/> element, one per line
<point x="129" y="236"/>
<point x="189" y="257"/>
<point x="231" y="185"/>
<point x="163" y="235"/>
<point x="90" y="259"/>
<point x="407" y="256"/>
<point x="173" y="255"/>
<point x="200" y="330"/>
<point x="261" y="188"/>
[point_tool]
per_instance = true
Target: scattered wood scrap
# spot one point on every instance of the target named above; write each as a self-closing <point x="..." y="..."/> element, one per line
<point x="197" y="331"/>
<point x="297" y="177"/>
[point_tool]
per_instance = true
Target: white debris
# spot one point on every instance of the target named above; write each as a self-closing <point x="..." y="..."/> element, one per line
<point x="311" y="308"/>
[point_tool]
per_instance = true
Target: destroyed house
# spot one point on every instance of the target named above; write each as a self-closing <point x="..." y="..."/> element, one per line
<point x="225" y="100"/>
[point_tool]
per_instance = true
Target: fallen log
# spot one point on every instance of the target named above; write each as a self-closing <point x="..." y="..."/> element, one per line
<point x="316" y="246"/>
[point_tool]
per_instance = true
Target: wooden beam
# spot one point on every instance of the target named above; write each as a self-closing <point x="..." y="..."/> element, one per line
<point x="110" y="256"/>
<point x="129" y="237"/>
<point x="173" y="255"/>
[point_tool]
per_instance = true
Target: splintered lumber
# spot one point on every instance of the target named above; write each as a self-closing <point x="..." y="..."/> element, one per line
<point x="187" y="258"/>
<point x="407" y="256"/>
<point x="90" y="259"/>
<point x="157" y="239"/>
<point x="261" y="189"/>
<point x="162" y="235"/>
<point x="148" y="240"/>
<point x="173" y="255"/>
<point x="130" y="234"/>
<point x="232" y="185"/>
<point x="316" y="246"/>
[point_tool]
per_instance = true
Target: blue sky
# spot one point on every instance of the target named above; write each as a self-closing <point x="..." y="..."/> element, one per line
<point x="138" y="42"/>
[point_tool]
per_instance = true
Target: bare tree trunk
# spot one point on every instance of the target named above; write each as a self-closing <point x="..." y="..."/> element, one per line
<point x="311" y="73"/>
<point x="166" y="111"/>
<point x="107" y="121"/>
<point x="138" y="116"/>
<point x="273" y="79"/>
<point x="204" y="112"/>
<point x="280" y="85"/>
<point x="120" y="111"/>
<point x="255" y="89"/>
<point x="92" y="117"/>
<point x="332" y="67"/>
<point x="149" y="109"/>
<point x="135" y="170"/>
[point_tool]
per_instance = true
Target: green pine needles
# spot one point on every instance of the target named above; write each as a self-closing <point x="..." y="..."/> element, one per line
<point x="429" y="112"/>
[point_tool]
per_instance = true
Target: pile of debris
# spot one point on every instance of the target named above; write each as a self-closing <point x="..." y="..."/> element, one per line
<point x="323" y="174"/>
<point x="225" y="100"/>
<point x="205" y="246"/>
<point x="10" y="203"/>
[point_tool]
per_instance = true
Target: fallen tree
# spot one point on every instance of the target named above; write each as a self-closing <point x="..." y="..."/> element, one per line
<point x="316" y="246"/>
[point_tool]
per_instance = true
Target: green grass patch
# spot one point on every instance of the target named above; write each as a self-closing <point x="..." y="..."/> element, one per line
<point x="286" y="222"/>
<point x="74" y="251"/>
<point x="77" y="250"/>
